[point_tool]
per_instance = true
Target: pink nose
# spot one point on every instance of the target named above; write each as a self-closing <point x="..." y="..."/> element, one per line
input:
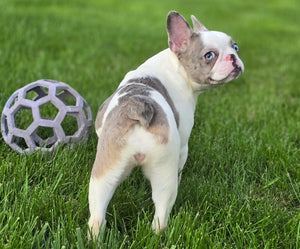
<point x="229" y="57"/>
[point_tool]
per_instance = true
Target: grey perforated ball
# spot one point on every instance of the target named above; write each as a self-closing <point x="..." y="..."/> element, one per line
<point x="44" y="114"/>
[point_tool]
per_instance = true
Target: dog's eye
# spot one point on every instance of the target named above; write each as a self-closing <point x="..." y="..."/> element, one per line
<point x="236" y="47"/>
<point x="209" y="56"/>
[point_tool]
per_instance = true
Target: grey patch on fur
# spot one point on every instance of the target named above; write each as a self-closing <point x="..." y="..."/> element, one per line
<point x="131" y="110"/>
<point x="149" y="114"/>
<point x="154" y="83"/>
<point x="124" y="89"/>
<point x="193" y="60"/>
<point x="101" y="111"/>
<point x="140" y="109"/>
<point x="135" y="89"/>
<point x="136" y="104"/>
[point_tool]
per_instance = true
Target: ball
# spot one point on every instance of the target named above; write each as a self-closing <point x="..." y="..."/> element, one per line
<point x="44" y="114"/>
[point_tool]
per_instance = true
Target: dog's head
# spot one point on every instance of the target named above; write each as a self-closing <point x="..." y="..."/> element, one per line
<point x="208" y="57"/>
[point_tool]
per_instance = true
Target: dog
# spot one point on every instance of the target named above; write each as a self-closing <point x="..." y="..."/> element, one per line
<point x="148" y="120"/>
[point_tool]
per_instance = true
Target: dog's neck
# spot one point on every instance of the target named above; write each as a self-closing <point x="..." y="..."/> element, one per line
<point x="195" y="87"/>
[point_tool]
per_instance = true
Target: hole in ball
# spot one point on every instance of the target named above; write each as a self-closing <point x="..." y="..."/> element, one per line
<point x="20" y="142"/>
<point x="48" y="111"/>
<point x="70" y="125"/>
<point x="66" y="97"/>
<point x="23" y="117"/>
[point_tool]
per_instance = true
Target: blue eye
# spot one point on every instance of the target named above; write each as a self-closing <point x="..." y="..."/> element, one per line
<point x="209" y="56"/>
<point x="236" y="47"/>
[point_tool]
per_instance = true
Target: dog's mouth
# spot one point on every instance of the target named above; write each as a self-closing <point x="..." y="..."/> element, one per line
<point x="235" y="73"/>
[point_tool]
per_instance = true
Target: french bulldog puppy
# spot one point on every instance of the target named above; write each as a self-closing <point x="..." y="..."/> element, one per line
<point x="148" y="120"/>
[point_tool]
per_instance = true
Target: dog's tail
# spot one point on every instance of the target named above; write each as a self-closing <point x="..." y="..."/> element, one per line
<point x="140" y="108"/>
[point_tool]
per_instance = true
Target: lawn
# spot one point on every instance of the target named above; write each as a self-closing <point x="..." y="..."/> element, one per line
<point x="241" y="184"/>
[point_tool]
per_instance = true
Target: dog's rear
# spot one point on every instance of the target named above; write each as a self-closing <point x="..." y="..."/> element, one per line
<point x="136" y="126"/>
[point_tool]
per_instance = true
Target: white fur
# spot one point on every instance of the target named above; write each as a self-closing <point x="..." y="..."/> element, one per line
<point x="222" y="67"/>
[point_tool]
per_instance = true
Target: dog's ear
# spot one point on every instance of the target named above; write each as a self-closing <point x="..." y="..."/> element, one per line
<point x="179" y="32"/>
<point x="198" y="26"/>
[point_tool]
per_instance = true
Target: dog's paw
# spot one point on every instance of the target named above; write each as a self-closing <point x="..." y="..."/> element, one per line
<point x="96" y="229"/>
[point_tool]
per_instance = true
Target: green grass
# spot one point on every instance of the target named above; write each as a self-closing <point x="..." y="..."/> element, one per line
<point x="241" y="184"/>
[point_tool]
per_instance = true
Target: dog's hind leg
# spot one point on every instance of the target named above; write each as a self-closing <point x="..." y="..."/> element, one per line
<point x="164" y="183"/>
<point x="182" y="159"/>
<point x="101" y="190"/>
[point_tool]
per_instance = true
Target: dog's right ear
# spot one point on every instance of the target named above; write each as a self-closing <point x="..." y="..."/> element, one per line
<point x="179" y="32"/>
<point x="197" y="25"/>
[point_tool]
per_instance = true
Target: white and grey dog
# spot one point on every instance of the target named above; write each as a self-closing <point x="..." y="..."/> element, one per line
<point x="148" y="120"/>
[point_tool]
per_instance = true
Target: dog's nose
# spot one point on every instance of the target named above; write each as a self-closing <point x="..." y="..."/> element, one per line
<point x="230" y="57"/>
<point x="234" y="60"/>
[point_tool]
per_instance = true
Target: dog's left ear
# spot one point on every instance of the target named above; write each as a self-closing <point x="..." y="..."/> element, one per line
<point x="179" y="32"/>
<point x="198" y="26"/>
